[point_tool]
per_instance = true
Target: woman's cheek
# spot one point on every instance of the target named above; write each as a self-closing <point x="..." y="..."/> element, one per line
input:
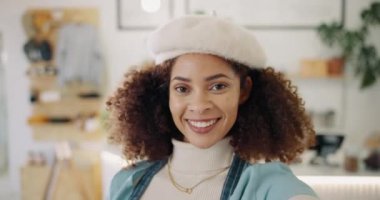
<point x="176" y="105"/>
<point x="231" y="102"/>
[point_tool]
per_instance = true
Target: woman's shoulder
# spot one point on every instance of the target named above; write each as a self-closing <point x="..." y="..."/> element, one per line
<point x="273" y="180"/>
<point x="124" y="180"/>
<point x="268" y="173"/>
<point x="268" y="168"/>
<point x="132" y="168"/>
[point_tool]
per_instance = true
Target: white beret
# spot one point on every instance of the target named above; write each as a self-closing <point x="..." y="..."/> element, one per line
<point x="205" y="34"/>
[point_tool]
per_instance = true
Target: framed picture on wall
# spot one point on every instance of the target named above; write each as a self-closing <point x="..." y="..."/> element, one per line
<point x="272" y="14"/>
<point x="143" y="14"/>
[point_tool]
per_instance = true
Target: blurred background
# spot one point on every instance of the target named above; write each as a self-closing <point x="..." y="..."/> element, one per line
<point x="60" y="61"/>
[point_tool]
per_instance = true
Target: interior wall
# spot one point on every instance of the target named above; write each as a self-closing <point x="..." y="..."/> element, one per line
<point x="125" y="48"/>
<point x="363" y="107"/>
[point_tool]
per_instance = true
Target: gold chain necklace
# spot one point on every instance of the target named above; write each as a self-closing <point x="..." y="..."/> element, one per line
<point x="189" y="190"/>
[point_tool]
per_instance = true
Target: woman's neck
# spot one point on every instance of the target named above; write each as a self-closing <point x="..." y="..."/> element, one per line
<point x="188" y="158"/>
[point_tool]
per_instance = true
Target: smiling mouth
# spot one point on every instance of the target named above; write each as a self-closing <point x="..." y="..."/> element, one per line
<point x="202" y="126"/>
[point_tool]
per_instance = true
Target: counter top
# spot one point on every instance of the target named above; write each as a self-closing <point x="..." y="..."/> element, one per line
<point x="304" y="169"/>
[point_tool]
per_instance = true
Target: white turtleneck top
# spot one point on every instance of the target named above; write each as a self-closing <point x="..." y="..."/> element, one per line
<point x="189" y="166"/>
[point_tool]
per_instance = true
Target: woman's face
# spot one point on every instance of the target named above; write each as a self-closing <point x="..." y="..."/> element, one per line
<point x="204" y="96"/>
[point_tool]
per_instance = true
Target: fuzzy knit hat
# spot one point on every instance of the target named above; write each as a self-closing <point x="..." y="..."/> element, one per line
<point x="205" y="34"/>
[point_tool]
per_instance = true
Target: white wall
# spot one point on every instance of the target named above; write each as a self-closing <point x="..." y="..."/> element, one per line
<point x="125" y="48"/>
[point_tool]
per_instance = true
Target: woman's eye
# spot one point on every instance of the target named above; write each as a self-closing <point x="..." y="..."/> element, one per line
<point x="181" y="89"/>
<point x="218" y="87"/>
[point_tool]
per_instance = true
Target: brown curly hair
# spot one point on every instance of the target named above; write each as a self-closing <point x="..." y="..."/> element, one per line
<point x="271" y="123"/>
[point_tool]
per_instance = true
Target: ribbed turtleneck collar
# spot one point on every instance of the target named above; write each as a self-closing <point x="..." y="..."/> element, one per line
<point x="188" y="158"/>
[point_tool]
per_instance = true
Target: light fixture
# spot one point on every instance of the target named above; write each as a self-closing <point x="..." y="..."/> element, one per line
<point x="151" y="6"/>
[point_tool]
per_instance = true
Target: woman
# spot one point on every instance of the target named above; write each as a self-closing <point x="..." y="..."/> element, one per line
<point x="207" y="120"/>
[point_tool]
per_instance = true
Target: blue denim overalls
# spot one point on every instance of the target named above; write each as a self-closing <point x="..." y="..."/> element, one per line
<point x="232" y="179"/>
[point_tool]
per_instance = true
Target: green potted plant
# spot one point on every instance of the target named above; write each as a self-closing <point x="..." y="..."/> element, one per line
<point x="354" y="45"/>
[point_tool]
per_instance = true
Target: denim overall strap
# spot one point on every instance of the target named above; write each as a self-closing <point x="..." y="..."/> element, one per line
<point x="146" y="178"/>
<point x="233" y="176"/>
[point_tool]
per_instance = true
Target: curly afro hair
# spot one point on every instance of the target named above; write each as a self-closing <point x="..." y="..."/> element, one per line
<point x="271" y="125"/>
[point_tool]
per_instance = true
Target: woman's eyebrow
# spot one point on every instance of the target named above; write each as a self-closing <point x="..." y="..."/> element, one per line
<point x="216" y="76"/>
<point x="209" y="78"/>
<point x="181" y="79"/>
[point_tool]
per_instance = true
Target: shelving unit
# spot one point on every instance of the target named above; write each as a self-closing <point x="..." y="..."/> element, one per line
<point x="71" y="106"/>
<point x="65" y="114"/>
<point x="63" y="102"/>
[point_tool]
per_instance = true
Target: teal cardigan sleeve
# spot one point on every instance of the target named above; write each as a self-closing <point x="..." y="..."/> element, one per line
<point x="269" y="181"/>
<point x="123" y="182"/>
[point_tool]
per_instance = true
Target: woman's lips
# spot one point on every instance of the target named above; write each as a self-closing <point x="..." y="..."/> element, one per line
<point x="202" y="126"/>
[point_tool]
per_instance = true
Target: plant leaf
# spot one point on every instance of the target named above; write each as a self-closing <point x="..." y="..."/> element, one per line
<point x="377" y="67"/>
<point x="368" y="78"/>
<point x="330" y="33"/>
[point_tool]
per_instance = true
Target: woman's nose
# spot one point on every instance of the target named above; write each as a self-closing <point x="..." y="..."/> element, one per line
<point x="200" y="103"/>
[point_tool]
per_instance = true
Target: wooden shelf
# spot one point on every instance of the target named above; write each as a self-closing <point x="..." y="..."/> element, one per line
<point x="44" y="83"/>
<point x="297" y="77"/>
<point x="49" y="82"/>
<point x="69" y="107"/>
<point x="64" y="132"/>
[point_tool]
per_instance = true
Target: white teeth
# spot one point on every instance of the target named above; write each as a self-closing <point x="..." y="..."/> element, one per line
<point x="202" y="124"/>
